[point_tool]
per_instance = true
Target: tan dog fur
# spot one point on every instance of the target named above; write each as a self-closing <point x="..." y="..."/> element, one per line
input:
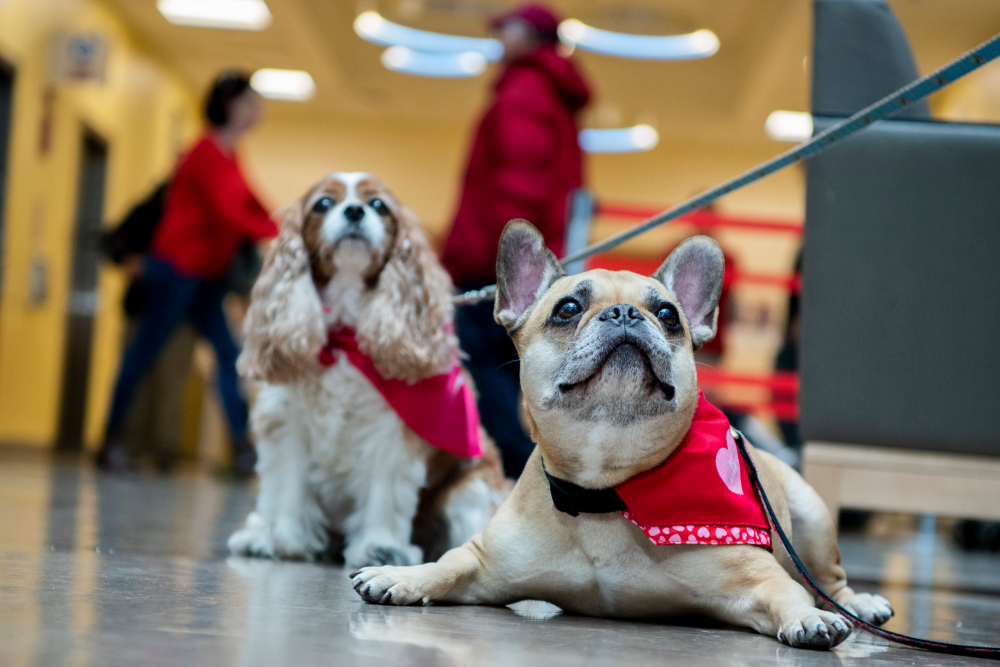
<point x="601" y="564"/>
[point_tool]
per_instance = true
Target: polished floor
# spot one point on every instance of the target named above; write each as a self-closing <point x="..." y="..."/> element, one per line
<point x="132" y="570"/>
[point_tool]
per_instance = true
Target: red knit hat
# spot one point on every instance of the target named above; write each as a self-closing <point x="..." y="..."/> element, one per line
<point x="541" y="18"/>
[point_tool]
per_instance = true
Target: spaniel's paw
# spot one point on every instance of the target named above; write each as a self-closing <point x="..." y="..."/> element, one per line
<point x="870" y="608"/>
<point x="254" y="539"/>
<point x="285" y="539"/>
<point x="391" y="585"/>
<point x="817" y="630"/>
<point x="360" y="555"/>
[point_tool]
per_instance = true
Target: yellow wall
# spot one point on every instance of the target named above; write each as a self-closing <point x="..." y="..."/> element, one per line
<point x="420" y="162"/>
<point x="146" y="113"/>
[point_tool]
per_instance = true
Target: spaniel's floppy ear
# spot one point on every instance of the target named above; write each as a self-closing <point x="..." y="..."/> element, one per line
<point x="406" y="329"/>
<point x="284" y="327"/>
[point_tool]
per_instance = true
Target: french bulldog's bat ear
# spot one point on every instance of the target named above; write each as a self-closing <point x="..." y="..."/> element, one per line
<point x="693" y="274"/>
<point x="525" y="269"/>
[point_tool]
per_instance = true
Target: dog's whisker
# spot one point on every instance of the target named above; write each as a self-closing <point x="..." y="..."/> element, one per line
<point x="512" y="361"/>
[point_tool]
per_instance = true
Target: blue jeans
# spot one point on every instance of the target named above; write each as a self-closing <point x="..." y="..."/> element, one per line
<point x="492" y="362"/>
<point x="171" y="299"/>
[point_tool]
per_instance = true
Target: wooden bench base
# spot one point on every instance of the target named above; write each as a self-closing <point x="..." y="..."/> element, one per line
<point x="903" y="480"/>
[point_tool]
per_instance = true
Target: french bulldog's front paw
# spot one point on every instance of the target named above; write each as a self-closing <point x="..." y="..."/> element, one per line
<point x="870" y="608"/>
<point x="388" y="585"/>
<point x="817" y="630"/>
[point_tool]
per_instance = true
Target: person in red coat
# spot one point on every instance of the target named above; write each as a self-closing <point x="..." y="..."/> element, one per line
<point x="209" y="211"/>
<point x="525" y="162"/>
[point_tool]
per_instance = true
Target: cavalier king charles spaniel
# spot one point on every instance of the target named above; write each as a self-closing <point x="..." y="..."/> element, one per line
<point x="349" y="334"/>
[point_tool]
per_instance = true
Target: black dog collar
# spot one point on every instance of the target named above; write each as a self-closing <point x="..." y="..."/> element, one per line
<point x="572" y="498"/>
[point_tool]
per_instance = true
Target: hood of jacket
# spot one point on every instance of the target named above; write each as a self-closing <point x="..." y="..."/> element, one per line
<point x="573" y="89"/>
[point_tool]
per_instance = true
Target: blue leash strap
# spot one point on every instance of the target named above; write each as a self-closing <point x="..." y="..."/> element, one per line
<point x="927" y="644"/>
<point x="919" y="89"/>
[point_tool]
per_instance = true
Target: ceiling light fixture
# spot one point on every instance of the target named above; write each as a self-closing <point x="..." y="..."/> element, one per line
<point x="371" y="27"/>
<point x="421" y="63"/>
<point x="698" y="44"/>
<point x="794" y="126"/>
<point x="289" y="85"/>
<point x="635" y="139"/>
<point x="226" y="14"/>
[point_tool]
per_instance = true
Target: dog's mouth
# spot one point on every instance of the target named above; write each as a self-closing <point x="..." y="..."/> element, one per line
<point x="353" y="236"/>
<point x="624" y="362"/>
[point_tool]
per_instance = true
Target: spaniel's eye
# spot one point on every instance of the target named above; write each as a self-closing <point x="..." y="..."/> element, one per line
<point x="379" y="207"/>
<point x="322" y="205"/>
<point x="569" y="309"/>
<point x="668" y="315"/>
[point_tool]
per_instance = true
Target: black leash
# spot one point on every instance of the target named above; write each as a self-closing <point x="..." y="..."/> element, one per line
<point x="930" y="645"/>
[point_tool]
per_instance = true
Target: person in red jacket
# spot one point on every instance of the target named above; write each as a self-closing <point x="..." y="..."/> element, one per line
<point x="525" y="162"/>
<point x="209" y="211"/>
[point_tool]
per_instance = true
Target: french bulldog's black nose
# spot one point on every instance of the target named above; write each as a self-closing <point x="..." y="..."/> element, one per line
<point x="621" y="314"/>
<point x="354" y="213"/>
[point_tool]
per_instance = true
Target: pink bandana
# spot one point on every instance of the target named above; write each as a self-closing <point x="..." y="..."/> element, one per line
<point x="701" y="494"/>
<point x="440" y="409"/>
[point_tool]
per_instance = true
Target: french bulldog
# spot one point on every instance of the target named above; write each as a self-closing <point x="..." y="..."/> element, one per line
<point x="610" y="391"/>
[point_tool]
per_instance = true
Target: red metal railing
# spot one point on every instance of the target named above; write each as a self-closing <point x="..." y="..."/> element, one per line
<point x="783" y="385"/>
<point x="703" y="220"/>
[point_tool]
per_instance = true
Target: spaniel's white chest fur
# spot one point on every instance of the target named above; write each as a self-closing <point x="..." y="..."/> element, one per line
<point x="336" y="457"/>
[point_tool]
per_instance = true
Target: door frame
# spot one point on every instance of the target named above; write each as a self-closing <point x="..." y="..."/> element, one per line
<point x="7" y="71"/>
<point x="81" y="302"/>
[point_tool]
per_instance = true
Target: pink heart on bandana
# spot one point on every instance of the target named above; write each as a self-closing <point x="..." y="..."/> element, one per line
<point x="727" y="462"/>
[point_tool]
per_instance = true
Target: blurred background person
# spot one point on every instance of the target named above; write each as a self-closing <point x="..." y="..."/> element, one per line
<point x="524" y="162"/>
<point x="210" y="210"/>
<point x="153" y="422"/>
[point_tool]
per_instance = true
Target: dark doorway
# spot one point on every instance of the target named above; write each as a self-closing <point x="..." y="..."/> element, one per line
<point x="6" y="103"/>
<point x="82" y="302"/>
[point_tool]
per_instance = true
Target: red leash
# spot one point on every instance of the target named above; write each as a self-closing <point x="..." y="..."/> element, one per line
<point x="930" y="645"/>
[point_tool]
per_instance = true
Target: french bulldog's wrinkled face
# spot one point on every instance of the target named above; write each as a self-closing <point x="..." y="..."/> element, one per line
<point x="607" y="358"/>
<point x="614" y="338"/>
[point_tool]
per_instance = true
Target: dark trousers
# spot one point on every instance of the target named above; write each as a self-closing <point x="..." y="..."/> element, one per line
<point x="171" y="299"/>
<point x="492" y="361"/>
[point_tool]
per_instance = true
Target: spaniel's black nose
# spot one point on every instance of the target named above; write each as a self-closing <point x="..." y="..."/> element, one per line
<point x="354" y="213"/>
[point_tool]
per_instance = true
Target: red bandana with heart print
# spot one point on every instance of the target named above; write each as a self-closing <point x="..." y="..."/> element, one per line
<point x="440" y="409"/>
<point x="701" y="494"/>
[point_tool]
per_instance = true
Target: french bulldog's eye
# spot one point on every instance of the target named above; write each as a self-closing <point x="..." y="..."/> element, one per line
<point x="322" y="205"/>
<point x="668" y="315"/>
<point x="379" y="207"/>
<point x="569" y="309"/>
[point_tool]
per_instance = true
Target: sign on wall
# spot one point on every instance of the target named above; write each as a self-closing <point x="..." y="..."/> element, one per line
<point x="79" y="57"/>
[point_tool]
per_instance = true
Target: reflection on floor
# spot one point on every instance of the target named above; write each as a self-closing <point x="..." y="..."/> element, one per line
<point x="99" y="570"/>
